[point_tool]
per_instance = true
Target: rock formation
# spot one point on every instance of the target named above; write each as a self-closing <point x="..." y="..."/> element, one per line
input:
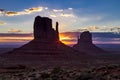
<point x="45" y="49"/>
<point x="43" y="29"/>
<point x="85" y="37"/>
<point x="85" y="44"/>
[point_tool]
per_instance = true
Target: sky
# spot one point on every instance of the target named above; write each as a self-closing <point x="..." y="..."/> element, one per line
<point x="17" y="16"/>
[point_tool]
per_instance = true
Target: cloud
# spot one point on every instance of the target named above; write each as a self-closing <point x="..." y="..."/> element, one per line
<point x="69" y="38"/>
<point x="68" y="18"/>
<point x="26" y="11"/>
<point x="2" y="23"/>
<point x="115" y="29"/>
<point x="1" y="12"/>
<point x="70" y="34"/>
<point x="52" y="15"/>
<point x="89" y="28"/>
<point x="67" y="15"/>
<point x="70" y="8"/>
<point x="10" y="13"/>
<point x="34" y="9"/>
<point x="14" y="31"/>
<point x="57" y="10"/>
<point x="98" y="29"/>
<point x="62" y="13"/>
<point x="16" y="35"/>
<point x="98" y="37"/>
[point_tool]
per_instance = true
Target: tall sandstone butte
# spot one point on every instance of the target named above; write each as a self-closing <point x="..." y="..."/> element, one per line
<point x="43" y="29"/>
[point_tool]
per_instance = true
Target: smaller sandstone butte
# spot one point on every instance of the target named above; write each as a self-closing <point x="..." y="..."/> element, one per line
<point x="85" y="44"/>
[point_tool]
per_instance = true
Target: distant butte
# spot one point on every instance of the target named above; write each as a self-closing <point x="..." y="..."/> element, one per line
<point x="85" y="44"/>
<point x="46" y="49"/>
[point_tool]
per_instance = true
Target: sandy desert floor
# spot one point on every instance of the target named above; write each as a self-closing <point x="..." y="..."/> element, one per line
<point x="107" y="67"/>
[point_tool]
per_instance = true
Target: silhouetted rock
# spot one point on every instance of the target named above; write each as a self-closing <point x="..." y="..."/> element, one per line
<point x="46" y="49"/>
<point x="43" y="29"/>
<point x="85" y="37"/>
<point x="85" y="44"/>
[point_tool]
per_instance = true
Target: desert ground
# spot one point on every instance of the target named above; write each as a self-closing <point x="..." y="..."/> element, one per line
<point x="107" y="67"/>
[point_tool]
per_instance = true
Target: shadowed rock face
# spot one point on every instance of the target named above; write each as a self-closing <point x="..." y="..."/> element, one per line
<point x="85" y="37"/>
<point x="43" y="29"/>
<point x="85" y="44"/>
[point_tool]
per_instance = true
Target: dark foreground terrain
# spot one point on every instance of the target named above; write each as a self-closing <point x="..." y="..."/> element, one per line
<point x="109" y="72"/>
<point x="107" y="67"/>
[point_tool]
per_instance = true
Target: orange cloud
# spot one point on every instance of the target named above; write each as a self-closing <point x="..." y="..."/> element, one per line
<point x="68" y="38"/>
<point x="15" y="39"/>
<point x="34" y="9"/>
<point x="10" y="13"/>
<point x="26" y="11"/>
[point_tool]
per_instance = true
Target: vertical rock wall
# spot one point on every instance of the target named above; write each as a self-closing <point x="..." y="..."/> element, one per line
<point x="43" y="29"/>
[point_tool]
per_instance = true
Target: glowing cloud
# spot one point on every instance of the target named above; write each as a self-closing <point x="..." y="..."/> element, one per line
<point x="66" y="39"/>
<point x="56" y="10"/>
<point x="90" y="28"/>
<point x="53" y="15"/>
<point x="10" y="13"/>
<point x="70" y="8"/>
<point x="26" y="11"/>
<point x="99" y="29"/>
<point x="34" y="9"/>
<point x="14" y="31"/>
<point x="1" y="23"/>
<point x="67" y="15"/>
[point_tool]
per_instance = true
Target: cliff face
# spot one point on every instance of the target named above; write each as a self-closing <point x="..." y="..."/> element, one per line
<point x="85" y="44"/>
<point x="43" y="29"/>
<point x="85" y="37"/>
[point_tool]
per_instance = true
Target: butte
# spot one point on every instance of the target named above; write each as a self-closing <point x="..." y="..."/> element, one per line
<point x="85" y="44"/>
<point x="45" y="50"/>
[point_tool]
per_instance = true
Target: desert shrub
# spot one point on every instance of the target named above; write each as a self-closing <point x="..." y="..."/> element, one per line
<point x="85" y="76"/>
<point x="55" y="77"/>
<point x="57" y="70"/>
<point x="32" y="75"/>
<point x="44" y="75"/>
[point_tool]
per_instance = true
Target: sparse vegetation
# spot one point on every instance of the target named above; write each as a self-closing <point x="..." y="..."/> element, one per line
<point x="111" y="72"/>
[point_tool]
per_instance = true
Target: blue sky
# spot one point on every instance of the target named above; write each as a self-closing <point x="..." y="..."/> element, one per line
<point x="17" y="16"/>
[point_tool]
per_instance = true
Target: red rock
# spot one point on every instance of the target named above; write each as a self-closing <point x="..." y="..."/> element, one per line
<point x="85" y="44"/>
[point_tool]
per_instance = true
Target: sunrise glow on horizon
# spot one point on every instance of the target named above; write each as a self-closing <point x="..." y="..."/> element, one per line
<point x="66" y="38"/>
